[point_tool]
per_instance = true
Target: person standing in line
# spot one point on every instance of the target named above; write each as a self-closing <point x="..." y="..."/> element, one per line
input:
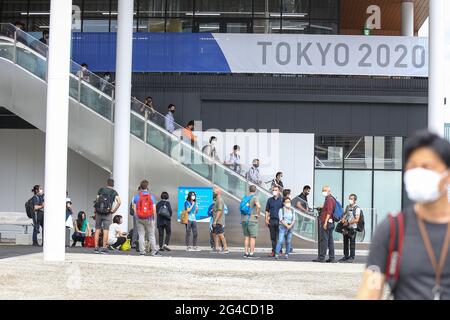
<point x="249" y="222"/>
<point x="287" y="222"/>
<point x="409" y="250"/>
<point x="350" y="221"/>
<point x="144" y="206"/>
<point x="253" y="174"/>
<point x="219" y="222"/>
<point x="38" y="214"/>
<point x="191" y="206"/>
<point x="104" y="210"/>
<point x="326" y="227"/>
<point x="301" y="201"/>
<point x="164" y="223"/>
<point x="273" y="206"/>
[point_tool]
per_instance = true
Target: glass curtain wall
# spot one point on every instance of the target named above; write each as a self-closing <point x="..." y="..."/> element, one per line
<point x="231" y="16"/>
<point x="370" y="167"/>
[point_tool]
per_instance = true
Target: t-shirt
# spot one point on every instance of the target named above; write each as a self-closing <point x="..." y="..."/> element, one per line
<point x="287" y="215"/>
<point x="273" y="206"/>
<point x="192" y="213"/>
<point x="219" y="206"/>
<point x="113" y="229"/>
<point x="350" y="214"/>
<point x="253" y="217"/>
<point x="37" y="201"/>
<point x="108" y="191"/>
<point x="138" y="196"/>
<point x="416" y="277"/>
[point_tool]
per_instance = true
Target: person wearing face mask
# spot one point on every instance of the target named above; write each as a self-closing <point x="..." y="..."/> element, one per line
<point x="301" y="201"/>
<point x="253" y="173"/>
<point x="191" y="206"/>
<point x="219" y="222"/>
<point x="277" y="181"/>
<point x="273" y="206"/>
<point x="326" y="227"/>
<point x="234" y="163"/>
<point x="45" y="37"/>
<point x="286" y="218"/>
<point x="103" y="82"/>
<point x="210" y="151"/>
<point x="38" y="214"/>
<point x="409" y="250"/>
<point x="169" y="124"/>
<point x="83" y="73"/>
<point x="349" y="221"/>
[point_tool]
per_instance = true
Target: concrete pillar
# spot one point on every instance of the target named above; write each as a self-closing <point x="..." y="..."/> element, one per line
<point x="57" y="123"/>
<point x="408" y="18"/>
<point x="436" y="93"/>
<point x="121" y="169"/>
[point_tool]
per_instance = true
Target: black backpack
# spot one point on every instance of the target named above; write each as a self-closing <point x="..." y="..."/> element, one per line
<point x="104" y="203"/>
<point x="164" y="211"/>
<point x="29" y="208"/>
<point x="361" y="223"/>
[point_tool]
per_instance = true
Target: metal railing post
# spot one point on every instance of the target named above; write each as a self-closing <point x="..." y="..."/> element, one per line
<point x="145" y="125"/>
<point x="15" y="47"/>
<point x="112" y="104"/>
<point x="79" y="88"/>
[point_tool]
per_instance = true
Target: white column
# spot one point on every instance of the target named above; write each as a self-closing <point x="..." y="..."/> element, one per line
<point x="436" y="71"/>
<point x="408" y="18"/>
<point x="121" y="170"/>
<point x="57" y="122"/>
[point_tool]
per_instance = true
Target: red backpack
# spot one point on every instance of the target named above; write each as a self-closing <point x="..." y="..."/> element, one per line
<point x="144" y="207"/>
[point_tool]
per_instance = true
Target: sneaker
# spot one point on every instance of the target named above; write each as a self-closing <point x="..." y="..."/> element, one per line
<point x="252" y="256"/>
<point x="330" y="261"/>
<point x="197" y="249"/>
<point x="344" y="259"/>
<point x="103" y="251"/>
<point x="286" y="256"/>
<point x="155" y="253"/>
<point x="161" y="249"/>
<point x="277" y="257"/>
<point x="167" y="248"/>
<point x="319" y="260"/>
<point x="272" y="254"/>
<point x="113" y="248"/>
<point x="291" y="250"/>
<point x="350" y="260"/>
<point x="188" y="249"/>
<point x="141" y="254"/>
<point x="224" y="252"/>
<point x="246" y="255"/>
<point x="96" y="250"/>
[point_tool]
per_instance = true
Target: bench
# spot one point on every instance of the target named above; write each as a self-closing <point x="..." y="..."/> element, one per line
<point x="17" y="219"/>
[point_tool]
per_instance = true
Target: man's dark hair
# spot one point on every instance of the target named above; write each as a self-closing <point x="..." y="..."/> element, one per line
<point x="164" y="195"/>
<point x="45" y="32"/>
<point x="19" y="23"/>
<point x="425" y="139"/>
<point x="84" y="65"/>
<point x="286" y="192"/>
<point x="354" y="196"/>
<point x="170" y="106"/>
<point x="110" y="182"/>
<point x="190" y="123"/>
<point x="212" y="138"/>
<point x="35" y="189"/>
<point x="236" y="147"/>
<point x="144" y="185"/>
<point x="117" y="218"/>
<point x="278" y="173"/>
<point x="149" y="98"/>
<point x="306" y="188"/>
<point x="252" y="188"/>
<point x="107" y="74"/>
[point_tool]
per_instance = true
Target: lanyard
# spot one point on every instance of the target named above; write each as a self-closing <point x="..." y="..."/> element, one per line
<point x="438" y="268"/>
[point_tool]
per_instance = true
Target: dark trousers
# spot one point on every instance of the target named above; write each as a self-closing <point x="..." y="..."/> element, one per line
<point x="211" y="239"/>
<point x="120" y="241"/>
<point x="38" y="222"/>
<point x="134" y="234"/>
<point x="168" y="229"/>
<point x="78" y="237"/>
<point x="326" y="241"/>
<point x="274" y="227"/>
<point x="350" y="238"/>
<point x="191" y="226"/>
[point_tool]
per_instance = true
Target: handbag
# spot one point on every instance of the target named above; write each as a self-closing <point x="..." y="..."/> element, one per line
<point x="126" y="246"/>
<point x="184" y="217"/>
<point x="89" y="242"/>
<point x="339" y="227"/>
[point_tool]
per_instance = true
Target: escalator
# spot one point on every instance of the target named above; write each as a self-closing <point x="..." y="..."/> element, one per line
<point x="164" y="157"/>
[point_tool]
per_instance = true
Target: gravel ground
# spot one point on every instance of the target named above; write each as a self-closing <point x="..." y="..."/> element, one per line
<point x="88" y="276"/>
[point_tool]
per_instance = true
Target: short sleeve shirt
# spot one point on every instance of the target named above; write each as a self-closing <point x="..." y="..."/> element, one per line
<point x="192" y="213"/>
<point x="219" y="206"/>
<point x="108" y="191"/>
<point x="273" y="206"/>
<point x="417" y="276"/>
<point x="253" y="213"/>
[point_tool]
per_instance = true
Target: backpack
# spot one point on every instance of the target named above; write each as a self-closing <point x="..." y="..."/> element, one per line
<point x="361" y="223"/>
<point x="29" y="208"/>
<point x="244" y="206"/>
<point x="396" y="238"/>
<point x="211" y="210"/>
<point x="104" y="203"/>
<point x="164" y="211"/>
<point x="144" y="207"/>
<point x="338" y="211"/>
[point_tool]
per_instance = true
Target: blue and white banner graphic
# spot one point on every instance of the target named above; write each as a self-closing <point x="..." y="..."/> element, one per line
<point x="259" y="53"/>
<point x="204" y="197"/>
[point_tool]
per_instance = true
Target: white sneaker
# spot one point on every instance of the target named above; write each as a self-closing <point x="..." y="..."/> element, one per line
<point x="188" y="249"/>
<point x="197" y="249"/>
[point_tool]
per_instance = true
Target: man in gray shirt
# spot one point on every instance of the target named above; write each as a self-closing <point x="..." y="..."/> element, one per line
<point x="253" y="173"/>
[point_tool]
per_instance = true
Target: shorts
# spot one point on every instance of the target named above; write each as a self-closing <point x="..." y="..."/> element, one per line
<point x="218" y="229"/>
<point x="103" y="221"/>
<point x="250" y="229"/>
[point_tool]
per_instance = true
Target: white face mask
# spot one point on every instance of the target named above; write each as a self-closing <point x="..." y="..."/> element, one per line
<point x="422" y="185"/>
<point x="351" y="201"/>
<point x="213" y="142"/>
<point x="193" y="197"/>
<point x="287" y="205"/>
<point x="275" y="193"/>
<point x="325" y="194"/>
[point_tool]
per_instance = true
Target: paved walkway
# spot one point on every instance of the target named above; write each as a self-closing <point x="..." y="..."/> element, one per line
<point x="124" y="275"/>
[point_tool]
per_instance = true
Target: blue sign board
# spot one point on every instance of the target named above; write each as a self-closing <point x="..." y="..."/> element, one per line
<point x="204" y="197"/>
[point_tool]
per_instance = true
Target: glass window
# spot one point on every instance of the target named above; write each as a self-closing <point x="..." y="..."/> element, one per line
<point x="179" y="25"/>
<point x="151" y="25"/>
<point x="358" y="153"/>
<point x="360" y="183"/>
<point x="267" y="9"/>
<point x="151" y="8"/>
<point x="388" y="152"/>
<point x="325" y="9"/>
<point x="180" y="8"/>
<point x="331" y="178"/>
<point x="295" y="26"/>
<point x="266" y="26"/>
<point x="387" y="193"/>
<point x="321" y="27"/>
<point x="229" y="8"/>
<point x="96" y="15"/>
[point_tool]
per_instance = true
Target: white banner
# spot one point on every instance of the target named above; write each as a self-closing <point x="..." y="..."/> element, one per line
<point x="324" y="54"/>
